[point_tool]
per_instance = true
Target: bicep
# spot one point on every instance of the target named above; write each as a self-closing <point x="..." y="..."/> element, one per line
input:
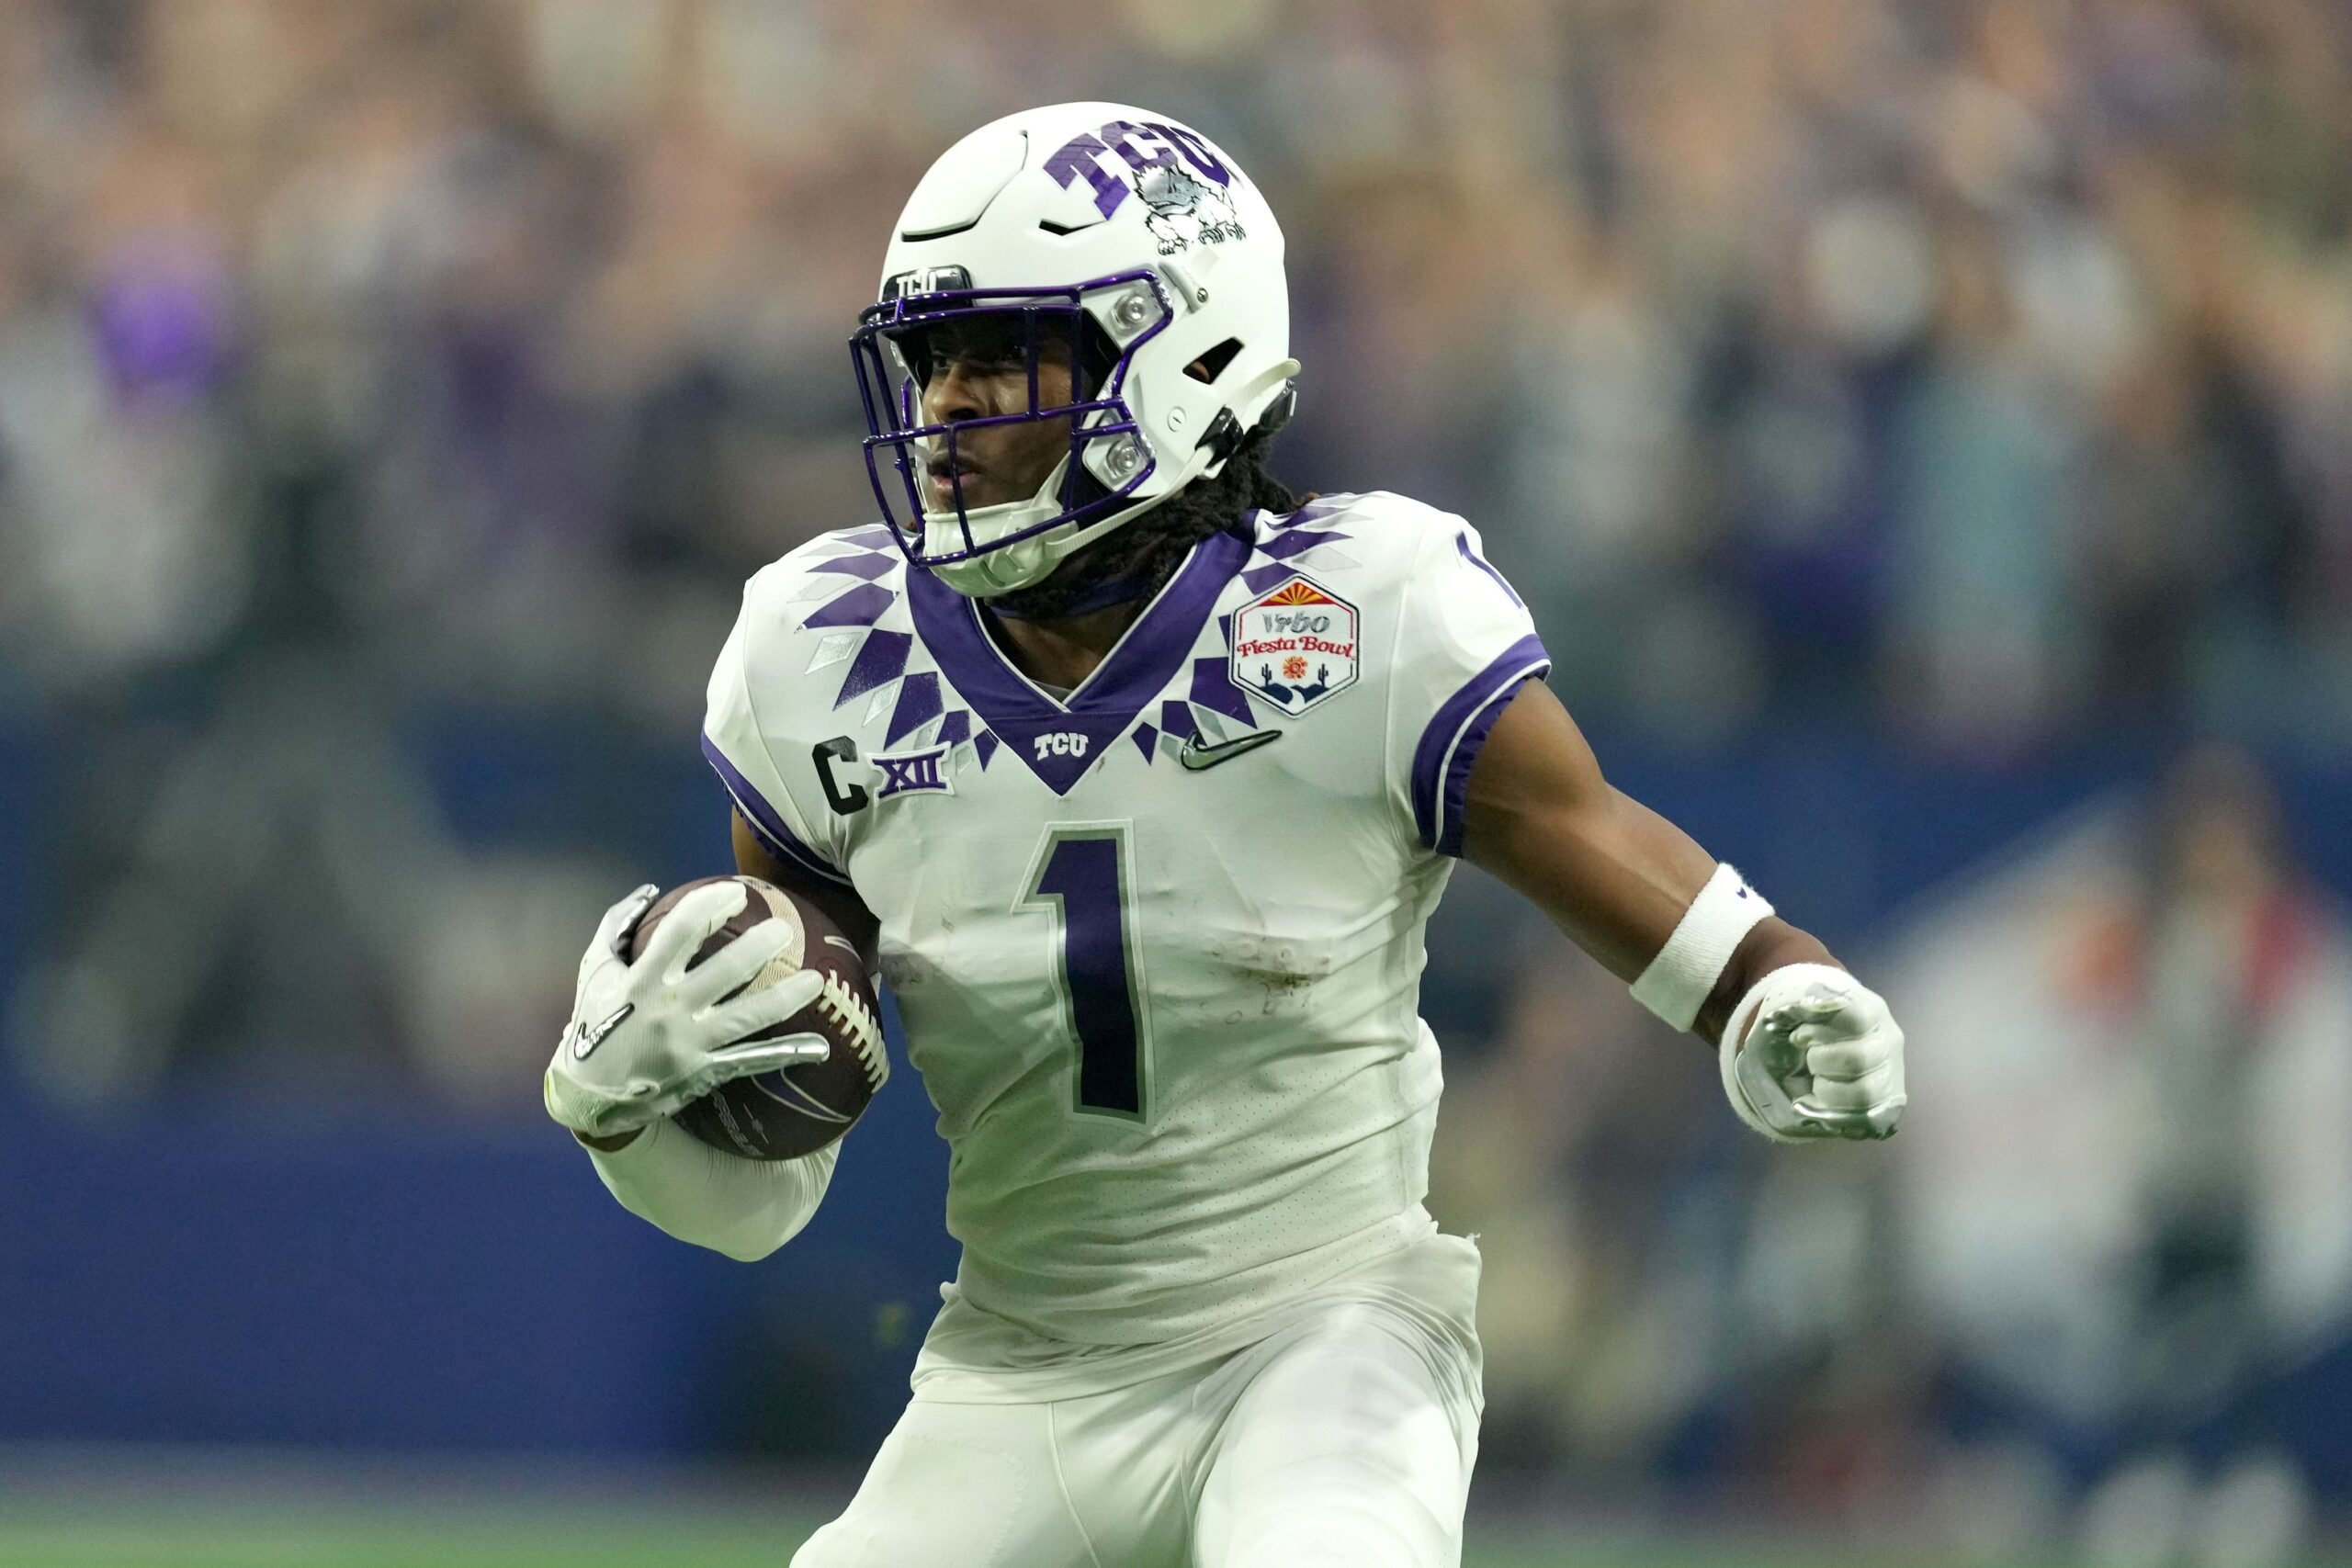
<point x="844" y="908"/>
<point x="1607" y="870"/>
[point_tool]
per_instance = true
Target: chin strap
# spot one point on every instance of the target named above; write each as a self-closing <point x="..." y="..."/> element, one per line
<point x="1224" y="435"/>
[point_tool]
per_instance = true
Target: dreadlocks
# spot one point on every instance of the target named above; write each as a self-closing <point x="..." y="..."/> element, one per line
<point x="1133" y="562"/>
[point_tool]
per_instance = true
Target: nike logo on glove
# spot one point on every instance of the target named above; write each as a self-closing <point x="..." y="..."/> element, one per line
<point x="1196" y="757"/>
<point x="588" y="1039"/>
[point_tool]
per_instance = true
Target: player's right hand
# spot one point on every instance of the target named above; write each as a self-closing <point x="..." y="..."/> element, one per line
<point x="1823" y="1059"/>
<point x="649" y="1038"/>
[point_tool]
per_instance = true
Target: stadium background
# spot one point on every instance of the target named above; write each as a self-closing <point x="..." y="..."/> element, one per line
<point x="1920" y="426"/>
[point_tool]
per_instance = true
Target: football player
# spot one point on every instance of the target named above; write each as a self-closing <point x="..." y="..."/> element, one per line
<point x="1137" y="779"/>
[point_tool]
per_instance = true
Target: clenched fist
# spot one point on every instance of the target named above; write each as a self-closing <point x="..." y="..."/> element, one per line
<point x="1813" y="1053"/>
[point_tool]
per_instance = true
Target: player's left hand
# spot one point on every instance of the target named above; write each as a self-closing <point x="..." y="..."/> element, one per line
<point x="1821" y="1059"/>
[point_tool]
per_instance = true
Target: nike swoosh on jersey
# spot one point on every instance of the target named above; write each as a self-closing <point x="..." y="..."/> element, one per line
<point x="1196" y="756"/>
<point x="591" y="1038"/>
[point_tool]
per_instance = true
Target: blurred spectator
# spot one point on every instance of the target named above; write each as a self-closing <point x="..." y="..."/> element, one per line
<point x="1570" y="1146"/>
<point x="2130" y="1205"/>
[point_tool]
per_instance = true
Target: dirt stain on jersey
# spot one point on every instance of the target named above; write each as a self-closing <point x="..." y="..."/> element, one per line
<point x="1277" y="970"/>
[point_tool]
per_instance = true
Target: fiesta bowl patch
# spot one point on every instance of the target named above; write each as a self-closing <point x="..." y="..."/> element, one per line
<point x="1296" y="646"/>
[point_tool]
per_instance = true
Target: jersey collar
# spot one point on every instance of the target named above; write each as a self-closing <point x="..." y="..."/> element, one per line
<point x="1152" y="652"/>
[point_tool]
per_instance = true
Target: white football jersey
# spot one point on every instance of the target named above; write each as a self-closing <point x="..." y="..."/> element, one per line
<point x="1157" y="945"/>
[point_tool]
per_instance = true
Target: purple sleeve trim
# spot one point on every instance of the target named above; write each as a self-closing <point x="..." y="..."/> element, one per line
<point x="1450" y="743"/>
<point x="1465" y="752"/>
<point x="766" y="825"/>
<point x="1461" y="543"/>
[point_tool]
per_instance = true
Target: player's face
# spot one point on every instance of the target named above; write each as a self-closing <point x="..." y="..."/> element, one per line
<point x="981" y="369"/>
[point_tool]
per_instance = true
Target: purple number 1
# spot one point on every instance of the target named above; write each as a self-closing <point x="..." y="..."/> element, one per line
<point x="1083" y="875"/>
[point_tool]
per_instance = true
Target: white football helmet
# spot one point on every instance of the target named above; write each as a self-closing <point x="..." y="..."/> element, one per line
<point x="1135" y="243"/>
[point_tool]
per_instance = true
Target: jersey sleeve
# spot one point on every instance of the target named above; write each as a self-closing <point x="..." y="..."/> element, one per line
<point x="790" y="822"/>
<point x="744" y="1208"/>
<point x="1464" y="643"/>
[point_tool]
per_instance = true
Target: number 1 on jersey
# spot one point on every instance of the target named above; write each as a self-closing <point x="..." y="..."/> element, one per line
<point x="1084" y="874"/>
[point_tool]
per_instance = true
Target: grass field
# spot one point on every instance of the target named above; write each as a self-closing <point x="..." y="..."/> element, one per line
<point x="225" y="1542"/>
<point x="148" y="1511"/>
<point x="42" y="1536"/>
<point x="71" y="1538"/>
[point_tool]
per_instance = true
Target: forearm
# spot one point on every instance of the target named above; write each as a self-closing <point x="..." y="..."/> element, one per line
<point x="744" y="1208"/>
<point x="1702" y="948"/>
<point x="1614" y="874"/>
<point x="1646" y="871"/>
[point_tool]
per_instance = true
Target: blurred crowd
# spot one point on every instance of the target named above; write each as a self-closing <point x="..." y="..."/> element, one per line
<point x="2099" y="1290"/>
<point x="1975" y="373"/>
<point x="1970" y="372"/>
<point x="1978" y="365"/>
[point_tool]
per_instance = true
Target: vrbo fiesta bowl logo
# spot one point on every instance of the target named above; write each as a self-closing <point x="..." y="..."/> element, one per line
<point x="1296" y="646"/>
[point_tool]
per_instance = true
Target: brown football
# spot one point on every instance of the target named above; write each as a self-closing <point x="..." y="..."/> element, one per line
<point x="797" y="1110"/>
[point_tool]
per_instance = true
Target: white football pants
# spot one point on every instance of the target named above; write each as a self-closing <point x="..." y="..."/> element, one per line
<point x="1346" y="1437"/>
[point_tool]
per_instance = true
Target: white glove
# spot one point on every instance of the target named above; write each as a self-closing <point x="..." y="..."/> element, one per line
<point x="1823" y="1060"/>
<point x="649" y="1038"/>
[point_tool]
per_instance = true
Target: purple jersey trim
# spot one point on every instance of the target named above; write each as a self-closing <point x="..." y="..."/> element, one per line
<point x="881" y="659"/>
<point x="1297" y="542"/>
<point x="1139" y="669"/>
<point x="1259" y="579"/>
<point x="1321" y="506"/>
<point x="1461" y="543"/>
<point x="861" y="607"/>
<point x="1450" y="743"/>
<point x="919" y="703"/>
<point x="863" y="563"/>
<point x="1213" y="690"/>
<point x="766" y="825"/>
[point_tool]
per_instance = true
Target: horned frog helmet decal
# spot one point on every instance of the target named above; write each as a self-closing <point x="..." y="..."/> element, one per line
<point x="1185" y="211"/>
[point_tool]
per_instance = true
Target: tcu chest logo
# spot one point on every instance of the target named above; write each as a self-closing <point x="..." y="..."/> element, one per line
<point x="1061" y="743"/>
<point x="1296" y="646"/>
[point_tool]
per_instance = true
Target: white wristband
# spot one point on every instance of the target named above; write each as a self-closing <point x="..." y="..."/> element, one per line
<point x="1678" y="981"/>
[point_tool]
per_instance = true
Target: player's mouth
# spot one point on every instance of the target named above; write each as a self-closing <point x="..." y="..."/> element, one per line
<point x="949" y="479"/>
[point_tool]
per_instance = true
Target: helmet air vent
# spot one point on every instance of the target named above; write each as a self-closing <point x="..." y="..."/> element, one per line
<point x="959" y="188"/>
<point x="910" y="235"/>
<point x="1211" y="365"/>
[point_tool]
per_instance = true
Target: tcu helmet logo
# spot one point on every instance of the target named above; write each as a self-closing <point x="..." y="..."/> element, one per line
<point x="1189" y="206"/>
<point x="925" y="280"/>
<point x="1061" y="743"/>
<point x="1296" y="646"/>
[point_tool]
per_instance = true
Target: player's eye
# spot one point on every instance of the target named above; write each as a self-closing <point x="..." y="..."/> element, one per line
<point x="973" y="367"/>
